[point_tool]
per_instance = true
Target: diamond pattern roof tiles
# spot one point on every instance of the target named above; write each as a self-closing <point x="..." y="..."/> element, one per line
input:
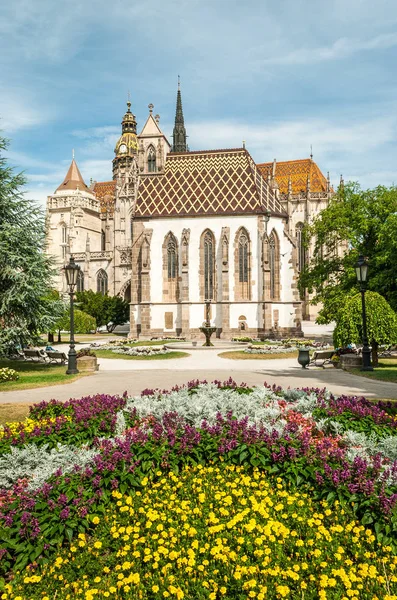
<point x="210" y="182"/>
<point x="298" y="171"/>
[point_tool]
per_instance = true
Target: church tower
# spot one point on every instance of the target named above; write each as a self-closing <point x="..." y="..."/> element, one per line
<point x="179" y="133"/>
<point x="127" y="146"/>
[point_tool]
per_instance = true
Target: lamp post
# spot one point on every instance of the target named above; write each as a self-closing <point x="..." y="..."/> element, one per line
<point x="361" y="267"/>
<point x="71" y="273"/>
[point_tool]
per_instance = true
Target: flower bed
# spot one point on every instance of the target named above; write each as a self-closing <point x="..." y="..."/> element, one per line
<point x="137" y="350"/>
<point x="7" y="374"/>
<point x="135" y="461"/>
<point x="269" y="349"/>
<point x="216" y="532"/>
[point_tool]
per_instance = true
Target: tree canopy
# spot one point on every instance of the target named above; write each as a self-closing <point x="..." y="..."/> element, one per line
<point x="83" y="323"/>
<point x="27" y="304"/>
<point x="355" y="222"/>
<point x="105" y="309"/>
<point x="381" y="323"/>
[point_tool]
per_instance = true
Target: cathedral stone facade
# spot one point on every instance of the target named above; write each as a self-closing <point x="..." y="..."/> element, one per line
<point x="175" y="229"/>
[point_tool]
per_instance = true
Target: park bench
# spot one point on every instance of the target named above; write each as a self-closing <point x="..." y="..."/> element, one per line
<point x="324" y="356"/>
<point x="386" y="351"/>
<point x="35" y="355"/>
<point x="56" y="357"/>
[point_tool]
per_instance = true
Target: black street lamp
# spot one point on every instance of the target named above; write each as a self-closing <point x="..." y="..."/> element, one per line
<point x="361" y="267"/>
<point x="72" y="272"/>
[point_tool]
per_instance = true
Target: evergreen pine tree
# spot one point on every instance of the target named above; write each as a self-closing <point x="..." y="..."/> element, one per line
<point x="27" y="306"/>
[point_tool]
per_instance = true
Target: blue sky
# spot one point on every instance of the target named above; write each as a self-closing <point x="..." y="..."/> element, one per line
<point x="280" y="75"/>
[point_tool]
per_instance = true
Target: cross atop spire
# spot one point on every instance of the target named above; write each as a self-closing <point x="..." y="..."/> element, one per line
<point x="179" y="133"/>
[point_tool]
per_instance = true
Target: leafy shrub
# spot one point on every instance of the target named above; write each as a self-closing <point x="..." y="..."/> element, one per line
<point x="7" y="374"/>
<point x="83" y="322"/>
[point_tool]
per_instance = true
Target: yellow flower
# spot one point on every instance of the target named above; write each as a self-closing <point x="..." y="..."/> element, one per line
<point x="98" y="545"/>
<point x="95" y="520"/>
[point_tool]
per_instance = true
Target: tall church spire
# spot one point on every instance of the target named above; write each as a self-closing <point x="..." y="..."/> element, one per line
<point x="179" y="133"/>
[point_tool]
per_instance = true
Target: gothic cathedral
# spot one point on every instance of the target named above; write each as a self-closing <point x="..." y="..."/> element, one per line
<point x="176" y="228"/>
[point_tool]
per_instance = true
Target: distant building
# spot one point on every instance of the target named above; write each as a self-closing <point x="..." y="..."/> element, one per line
<point x="175" y="228"/>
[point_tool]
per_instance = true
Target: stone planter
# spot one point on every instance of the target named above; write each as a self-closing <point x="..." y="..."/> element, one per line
<point x="351" y="361"/>
<point x="87" y="364"/>
<point x="303" y="357"/>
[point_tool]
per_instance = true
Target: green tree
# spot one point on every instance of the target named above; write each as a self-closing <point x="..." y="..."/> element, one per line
<point x="105" y="309"/>
<point x="355" y="222"/>
<point x="83" y="323"/>
<point x="381" y="323"/>
<point x="27" y="306"/>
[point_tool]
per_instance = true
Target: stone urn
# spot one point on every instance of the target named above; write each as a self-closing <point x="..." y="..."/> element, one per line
<point x="304" y="357"/>
<point x="87" y="364"/>
<point x="351" y="361"/>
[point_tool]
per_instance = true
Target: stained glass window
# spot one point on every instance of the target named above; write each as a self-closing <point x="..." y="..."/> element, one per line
<point x="151" y="160"/>
<point x="272" y="266"/>
<point x="171" y="255"/>
<point x="301" y="248"/>
<point x="243" y="258"/>
<point x="102" y="282"/>
<point x="208" y="266"/>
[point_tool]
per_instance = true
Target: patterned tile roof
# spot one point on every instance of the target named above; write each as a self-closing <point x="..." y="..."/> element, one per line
<point x="73" y="179"/>
<point x="297" y="170"/>
<point x="211" y="182"/>
<point x="105" y="191"/>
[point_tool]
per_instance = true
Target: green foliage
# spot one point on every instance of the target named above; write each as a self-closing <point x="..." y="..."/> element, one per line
<point x="104" y="309"/>
<point x="83" y="323"/>
<point x="381" y="321"/>
<point x="355" y="222"/>
<point x="27" y="305"/>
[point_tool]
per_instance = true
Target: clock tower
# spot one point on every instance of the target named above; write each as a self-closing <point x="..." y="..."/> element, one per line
<point x="127" y="146"/>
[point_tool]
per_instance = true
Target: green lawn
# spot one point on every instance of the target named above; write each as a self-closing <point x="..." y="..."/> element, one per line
<point x="34" y="375"/>
<point x="110" y="354"/>
<point x="241" y="355"/>
<point x="386" y="371"/>
<point x="81" y="338"/>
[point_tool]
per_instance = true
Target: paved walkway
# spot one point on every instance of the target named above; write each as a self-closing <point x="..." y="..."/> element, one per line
<point x="118" y="375"/>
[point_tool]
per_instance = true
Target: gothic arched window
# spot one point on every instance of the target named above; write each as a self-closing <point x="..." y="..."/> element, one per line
<point x="170" y="268"/>
<point x="243" y="258"/>
<point x="64" y="238"/>
<point x="300" y="247"/>
<point x="242" y="265"/>
<point x="103" y="241"/>
<point x="151" y="160"/>
<point x="80" y="282"/>
<point x="209" y="263"/>
<point x="102" y="282"/>
<point x="274" y="266"/>
<point x="171" y="258"/>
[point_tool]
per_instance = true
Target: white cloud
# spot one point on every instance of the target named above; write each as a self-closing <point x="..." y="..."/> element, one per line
<point x="17" y="111"/>
<point x="341" y="48"/>
<point x="291" y="139"/>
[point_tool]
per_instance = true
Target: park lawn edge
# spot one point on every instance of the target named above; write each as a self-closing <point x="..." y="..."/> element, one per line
<point x="241" y="355"/>
<point x="14" y="386"/>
